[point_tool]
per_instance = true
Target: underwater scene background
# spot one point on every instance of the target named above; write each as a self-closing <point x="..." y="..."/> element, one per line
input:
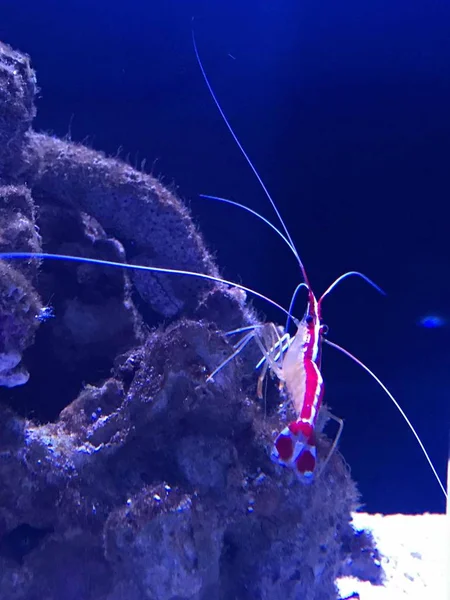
<point x="344" y="111"/>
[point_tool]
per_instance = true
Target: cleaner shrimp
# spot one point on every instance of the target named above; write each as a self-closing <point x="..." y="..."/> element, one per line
<point x="295" y="360"/>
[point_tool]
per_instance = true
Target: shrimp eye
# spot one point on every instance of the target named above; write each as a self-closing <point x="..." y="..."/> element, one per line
<point x="309" y="320"/>
<point x="324" y="329"/>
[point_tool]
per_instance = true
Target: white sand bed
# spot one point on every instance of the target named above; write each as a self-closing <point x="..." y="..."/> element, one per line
<point x="415" y="557"/>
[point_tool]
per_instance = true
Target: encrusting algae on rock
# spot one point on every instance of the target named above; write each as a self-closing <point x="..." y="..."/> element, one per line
<point x="150" y="482"/>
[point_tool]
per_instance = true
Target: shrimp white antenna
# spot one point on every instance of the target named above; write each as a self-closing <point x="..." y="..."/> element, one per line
<point x="246" y="156"/>
<point x="280" y="233"/>
<point x="256" y="214"/>
<point x="111" y="263"/>
<point x="396" y="404"/>
<point x="285" y="239"/>
<point x="349" y="274"/>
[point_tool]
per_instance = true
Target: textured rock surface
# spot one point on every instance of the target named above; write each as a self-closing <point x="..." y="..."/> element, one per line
<point x="166" y="483"/>
<point x="17" y="91"/>
<point x="84" y="203"/>
<point x="20" y="304"/>
<point x="149" y="483"/>
<point x="150" y="221"/>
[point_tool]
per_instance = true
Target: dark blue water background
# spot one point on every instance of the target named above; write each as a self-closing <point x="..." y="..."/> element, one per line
<point x="344" y="108"/>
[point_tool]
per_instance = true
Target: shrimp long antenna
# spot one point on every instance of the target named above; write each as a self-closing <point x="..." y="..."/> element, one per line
<point x="349" y="274"/>
<point x="280" y="233"/>
<point x="396" y="404"/>
<point x="246" y="156"/>
<point x="256" y="214"/>
<point x="111" y="263"/>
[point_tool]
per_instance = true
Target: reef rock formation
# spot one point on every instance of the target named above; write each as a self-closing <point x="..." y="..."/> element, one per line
<point x="150" y="482"/>
<point x="20" y="304"/>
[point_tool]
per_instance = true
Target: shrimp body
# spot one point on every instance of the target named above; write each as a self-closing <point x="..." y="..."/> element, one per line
<point x="295" y="446"/>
